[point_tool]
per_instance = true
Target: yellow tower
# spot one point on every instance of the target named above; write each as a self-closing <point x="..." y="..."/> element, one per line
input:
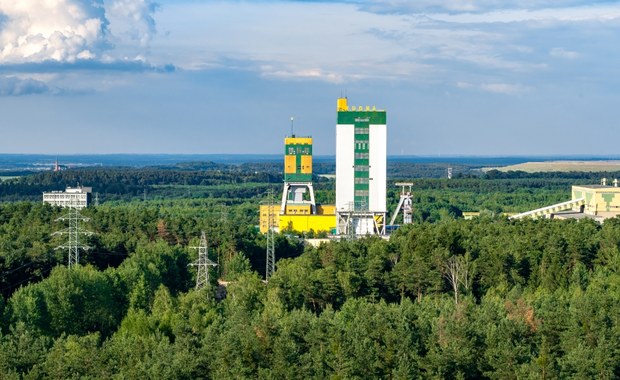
<point x="298" y="193"/>
<point x="298" y="210"/>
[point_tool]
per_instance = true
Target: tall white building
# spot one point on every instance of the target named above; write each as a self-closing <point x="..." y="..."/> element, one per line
<point x="361" y="167"/>
<point x="76" y="197"/>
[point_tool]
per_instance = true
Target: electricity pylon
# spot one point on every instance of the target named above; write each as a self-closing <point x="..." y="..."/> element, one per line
<point x="73" y="232"/>
<point x="203" y="263"/>
<point x="270" y="265"/>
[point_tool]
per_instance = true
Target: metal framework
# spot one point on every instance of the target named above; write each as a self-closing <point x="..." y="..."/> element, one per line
<point x="270" y="256"/>
<point x="294" y="192"/>
<point x="73" y="232"/>
<point x="203" y="263"/>
<point x="404" y="204"/>
<point x="357" y="223"/>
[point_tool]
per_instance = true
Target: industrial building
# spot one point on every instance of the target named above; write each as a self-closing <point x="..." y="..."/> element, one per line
<point x="298" y="210"/>
<point x="597" y="202"/>
<point x="74" y="197"/>
<point x="361" y="166"/>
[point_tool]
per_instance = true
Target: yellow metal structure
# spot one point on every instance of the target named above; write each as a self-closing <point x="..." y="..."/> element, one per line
<point x="342" y="104"/>
<point x="298" y="141"/>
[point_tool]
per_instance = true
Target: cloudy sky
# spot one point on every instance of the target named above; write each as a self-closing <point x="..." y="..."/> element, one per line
<point x="457" y="77"/>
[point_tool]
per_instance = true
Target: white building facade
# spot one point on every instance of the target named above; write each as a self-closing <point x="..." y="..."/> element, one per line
<point x="75" y="197"/>
<point x="361" y="167"/>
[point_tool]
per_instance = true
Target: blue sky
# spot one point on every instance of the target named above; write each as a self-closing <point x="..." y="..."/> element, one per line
<point x="457" y="77"/>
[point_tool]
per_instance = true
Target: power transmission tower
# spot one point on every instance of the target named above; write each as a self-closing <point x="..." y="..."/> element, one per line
<point x="203" y="263"/>
<point x="271" y="250"/>
<point x="73" y="232"/>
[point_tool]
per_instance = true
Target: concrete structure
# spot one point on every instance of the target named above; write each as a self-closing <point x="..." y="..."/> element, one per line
<point x="298" y="210"/>
<point x="361" y="166"/>
<point x="598" y="202"/>
<point x="74" y="197"/>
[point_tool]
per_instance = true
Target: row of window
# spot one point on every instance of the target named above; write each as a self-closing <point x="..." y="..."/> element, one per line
<point x="64" y="196"/>
<point x="291" y="150"/>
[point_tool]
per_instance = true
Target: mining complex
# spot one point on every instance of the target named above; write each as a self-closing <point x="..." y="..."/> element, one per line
<point x="361" y="167"/>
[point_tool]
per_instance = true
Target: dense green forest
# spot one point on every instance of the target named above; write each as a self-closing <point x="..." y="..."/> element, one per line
<point x="443" y="298"/>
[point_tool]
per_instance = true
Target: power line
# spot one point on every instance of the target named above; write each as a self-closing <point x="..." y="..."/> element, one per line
<point x="27" y="279"/>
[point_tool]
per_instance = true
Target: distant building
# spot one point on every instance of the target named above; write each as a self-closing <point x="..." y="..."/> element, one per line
<point x="76" y="197"/>
<point x="298" y="210"/>
<point x="361" y="166"/>
<point x="598" y="202"/>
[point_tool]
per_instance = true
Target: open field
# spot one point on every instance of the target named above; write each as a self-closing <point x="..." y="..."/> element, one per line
<point x="562" y="166"/>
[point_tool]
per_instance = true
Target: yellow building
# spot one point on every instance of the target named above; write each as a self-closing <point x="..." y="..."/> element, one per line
<point x="298" y="210"/>
<point x="600" y="200"/>
<point x="323" y="220"/>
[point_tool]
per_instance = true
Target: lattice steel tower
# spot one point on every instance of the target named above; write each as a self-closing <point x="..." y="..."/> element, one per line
<point x="270" y="264"/>
<point x="73" y="232"/>
<point x="203" y="263"/>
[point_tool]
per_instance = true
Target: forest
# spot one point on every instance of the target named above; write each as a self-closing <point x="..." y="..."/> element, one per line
<point x="444" y="297"/>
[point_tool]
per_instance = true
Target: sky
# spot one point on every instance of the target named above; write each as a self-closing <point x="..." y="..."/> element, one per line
<point x="457" y="77"/>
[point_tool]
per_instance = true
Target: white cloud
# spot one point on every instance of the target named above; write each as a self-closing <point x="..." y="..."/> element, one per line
<point x="600" y="13"/>
<point x="562" y="53"/>
<point x="504" y="88"/>
<point x="319" y="74"/>
<point x="133" y="19"/>
<point x="468" y="6"/>
<point x="497" y="88"/>
<point x="59" y="30"/>
<point x="66" y="31"/>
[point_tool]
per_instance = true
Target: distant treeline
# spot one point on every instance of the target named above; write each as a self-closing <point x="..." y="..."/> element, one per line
<point x="468" y="190"/>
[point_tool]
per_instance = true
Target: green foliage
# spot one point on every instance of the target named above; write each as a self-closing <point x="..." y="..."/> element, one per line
<point x="21" y="349"/>
<point x="537" y="299"/>
<point x="76" y="301"/>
